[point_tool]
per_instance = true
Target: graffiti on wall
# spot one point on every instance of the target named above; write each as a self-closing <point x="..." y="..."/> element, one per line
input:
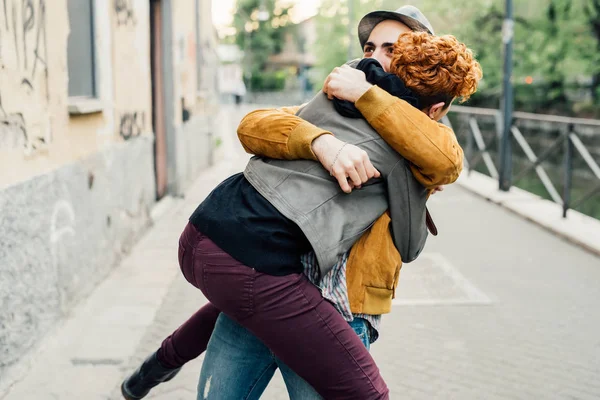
<point x="124" y="12"/>
<point x="13" y="132"/>
<point x="132" y="124"/>
<point x="23" y="58"/>
<point x="33" y="43"/>
<point x="25" y="25"/>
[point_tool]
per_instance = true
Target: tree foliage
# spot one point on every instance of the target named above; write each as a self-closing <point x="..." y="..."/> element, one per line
<point x="261" y="39"/>
<point x="556" y="47"/>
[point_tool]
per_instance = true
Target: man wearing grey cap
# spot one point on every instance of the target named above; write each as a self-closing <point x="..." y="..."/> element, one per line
<point x="410" y="16"/>
<point x="377" y="33"/>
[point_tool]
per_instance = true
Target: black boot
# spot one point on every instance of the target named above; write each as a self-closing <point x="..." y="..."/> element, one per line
<point x="148" y="375"/>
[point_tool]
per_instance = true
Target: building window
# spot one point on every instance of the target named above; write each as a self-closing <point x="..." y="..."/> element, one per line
<point x="80" y="49"/>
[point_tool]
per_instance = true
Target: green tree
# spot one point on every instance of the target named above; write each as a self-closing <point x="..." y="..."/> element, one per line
<point x="330" y="47"/>
<point x="552" y="42"/>
<point x="550" y="50"/>
<point x="592" y="13"/>
<point x="556" y="45"/>
<point x="552" y="46"/>
<point x="261" y="37"/>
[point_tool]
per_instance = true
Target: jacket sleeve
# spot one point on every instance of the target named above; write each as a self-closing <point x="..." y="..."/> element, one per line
<point x="431" y="147"/>
<point x="278" y="133"/>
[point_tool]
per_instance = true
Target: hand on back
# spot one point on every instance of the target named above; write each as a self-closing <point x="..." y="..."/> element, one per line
<point x="349" y="164"/>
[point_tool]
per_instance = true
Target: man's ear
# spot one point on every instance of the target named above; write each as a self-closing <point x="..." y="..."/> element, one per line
<point x="435" y="109"/>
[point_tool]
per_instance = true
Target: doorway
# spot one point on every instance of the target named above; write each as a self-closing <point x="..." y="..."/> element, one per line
<point x="158" y="98"/>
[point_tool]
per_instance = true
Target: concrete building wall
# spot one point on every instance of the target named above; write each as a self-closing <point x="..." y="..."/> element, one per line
<point x="194" y="66"/>
<point x="77" y="179"/>
<point x="184" y="43"/>
<point x="209" y="59"/>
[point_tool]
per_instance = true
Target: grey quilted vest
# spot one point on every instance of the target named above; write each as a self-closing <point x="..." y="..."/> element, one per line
<point x="332" y="220"/>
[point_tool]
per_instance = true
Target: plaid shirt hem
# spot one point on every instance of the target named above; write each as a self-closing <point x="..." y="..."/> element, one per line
<point x="333" y="288"/>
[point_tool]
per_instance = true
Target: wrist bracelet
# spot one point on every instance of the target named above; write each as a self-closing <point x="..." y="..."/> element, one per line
<point x="337" y="156"/>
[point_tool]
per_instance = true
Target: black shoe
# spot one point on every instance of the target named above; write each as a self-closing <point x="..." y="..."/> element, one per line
<point x="148" y="375"/>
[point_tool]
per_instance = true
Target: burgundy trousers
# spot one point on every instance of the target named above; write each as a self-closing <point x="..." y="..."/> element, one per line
<point x="287" y="313"/>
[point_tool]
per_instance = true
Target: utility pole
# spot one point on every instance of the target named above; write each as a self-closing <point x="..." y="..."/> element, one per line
<point x="507" y="100"/>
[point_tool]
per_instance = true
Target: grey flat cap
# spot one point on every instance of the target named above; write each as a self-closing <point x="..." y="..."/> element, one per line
<point x="410" y="16"/>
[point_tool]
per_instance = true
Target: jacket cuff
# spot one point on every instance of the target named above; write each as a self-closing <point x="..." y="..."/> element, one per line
<point x="301" y="138"/>
<point x="374" y="102"/>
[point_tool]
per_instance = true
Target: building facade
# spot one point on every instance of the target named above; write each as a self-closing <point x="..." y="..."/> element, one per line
<point x="104" y="109"/>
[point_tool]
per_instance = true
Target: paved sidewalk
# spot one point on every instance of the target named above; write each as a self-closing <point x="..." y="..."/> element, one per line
<point x="495" y="308"/>
<point x="577" y="228"/>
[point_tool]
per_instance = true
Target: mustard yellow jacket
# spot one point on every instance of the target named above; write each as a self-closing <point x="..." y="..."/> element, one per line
<point x="436" y="158"/>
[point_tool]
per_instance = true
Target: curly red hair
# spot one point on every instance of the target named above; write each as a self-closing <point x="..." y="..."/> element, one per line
<point x="433" y="65"/>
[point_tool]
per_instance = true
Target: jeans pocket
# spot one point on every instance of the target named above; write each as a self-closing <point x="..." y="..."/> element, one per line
<point x="364" y="338"/>
<point x="180" y="254"/>
<point x="361" y="328"/>
<point x="230" y="289"/>
<point x="186" y="264"/>
<point x="216" y="258"/>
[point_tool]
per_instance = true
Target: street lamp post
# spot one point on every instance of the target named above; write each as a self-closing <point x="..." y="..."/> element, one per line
<point x="507" y="100"/>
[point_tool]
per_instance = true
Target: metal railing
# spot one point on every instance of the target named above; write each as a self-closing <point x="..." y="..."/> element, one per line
<point x="477" y="150"/>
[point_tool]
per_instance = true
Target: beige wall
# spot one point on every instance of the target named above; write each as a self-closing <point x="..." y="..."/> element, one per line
<point x="184" y="54"/>
<point x="33" y="86"/>
<point x="37" y="134"/>
<point x="131" y="69"/>
<point x="209" y="76"/>
<point x="77" y="184"/>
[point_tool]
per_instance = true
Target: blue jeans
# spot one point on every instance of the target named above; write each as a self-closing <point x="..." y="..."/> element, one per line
<point x="237" y="365"/>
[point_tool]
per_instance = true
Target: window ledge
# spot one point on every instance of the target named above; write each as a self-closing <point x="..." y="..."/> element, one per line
<point x="85" y="105"/>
